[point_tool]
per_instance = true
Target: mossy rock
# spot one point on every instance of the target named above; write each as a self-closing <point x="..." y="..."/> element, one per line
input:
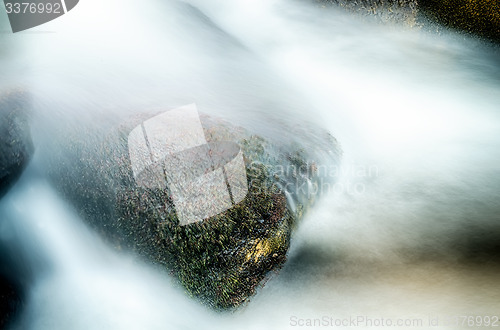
<point x="16" y="146"/>
<point x="222" y="259"/>
<point x="479" y="17"/>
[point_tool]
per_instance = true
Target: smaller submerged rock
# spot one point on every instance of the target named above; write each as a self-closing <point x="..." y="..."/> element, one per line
<point x="16" y="146"/>
<point x="478" y="17"/>
<point x="16" y="149"/>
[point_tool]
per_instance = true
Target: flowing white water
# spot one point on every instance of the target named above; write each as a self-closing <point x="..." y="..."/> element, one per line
<point x="417" y="115"/>
<point x="86" y="285"/>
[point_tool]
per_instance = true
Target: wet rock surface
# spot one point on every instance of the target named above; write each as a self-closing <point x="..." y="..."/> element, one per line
<point x="222" y="259"/>
<point x="16" y="146"/>
<point x="477" y="17"/>
<point x="16" y="149"/>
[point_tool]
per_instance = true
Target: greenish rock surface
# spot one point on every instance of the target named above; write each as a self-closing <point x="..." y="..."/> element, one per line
<point x="479" y="17"/>
<point x="476" y="17"/>
<point x="16" y="146"/>
<point x="220" y="260"/>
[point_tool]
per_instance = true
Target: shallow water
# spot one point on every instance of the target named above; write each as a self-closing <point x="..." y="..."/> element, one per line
<point x="411" y="230"/>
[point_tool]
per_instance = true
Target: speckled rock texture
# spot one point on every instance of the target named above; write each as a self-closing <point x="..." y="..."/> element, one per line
<point x="475" y="17"/>
<point x="479" y="17"/>
<point x="223" y="259"/>
<point x="16" y="146"/>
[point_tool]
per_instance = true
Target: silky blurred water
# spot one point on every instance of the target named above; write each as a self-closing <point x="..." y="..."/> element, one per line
<point x="412" y="228"/>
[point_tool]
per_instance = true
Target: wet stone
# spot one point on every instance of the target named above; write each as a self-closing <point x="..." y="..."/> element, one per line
<point x="207" y="203"/>
<point x="16" y="146"/>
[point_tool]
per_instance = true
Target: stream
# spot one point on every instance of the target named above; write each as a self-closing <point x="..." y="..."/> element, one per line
<point x="409" y="235"/>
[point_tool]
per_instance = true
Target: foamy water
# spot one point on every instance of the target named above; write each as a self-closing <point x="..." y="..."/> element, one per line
<point x="416" y="115"/>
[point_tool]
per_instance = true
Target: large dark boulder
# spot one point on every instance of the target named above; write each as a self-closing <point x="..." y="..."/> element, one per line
<point x="16" y="146"/>
<point x="222" y="259"/>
